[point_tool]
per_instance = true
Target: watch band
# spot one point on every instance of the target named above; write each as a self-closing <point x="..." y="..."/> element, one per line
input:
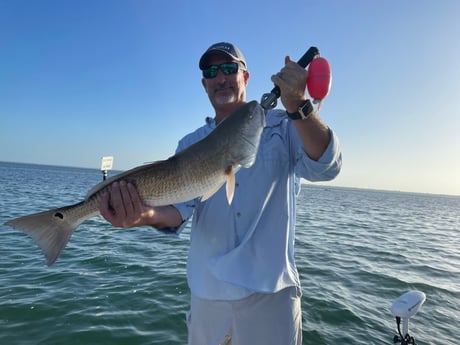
<point x="304" y="112"/>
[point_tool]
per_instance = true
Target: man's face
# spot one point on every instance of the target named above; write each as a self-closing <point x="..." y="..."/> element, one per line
<point x="224" y="89"/>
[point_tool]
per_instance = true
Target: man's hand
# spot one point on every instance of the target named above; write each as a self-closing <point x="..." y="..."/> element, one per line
<point x="123" y="207"/>
<point x="292" y="81"/>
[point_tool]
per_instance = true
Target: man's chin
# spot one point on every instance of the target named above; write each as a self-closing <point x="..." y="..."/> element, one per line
<point x="223" y="100"/>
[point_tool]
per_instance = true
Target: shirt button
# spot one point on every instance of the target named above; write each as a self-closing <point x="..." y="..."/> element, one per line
<point x="238" y="214"/>
<point x="237" y="184"/>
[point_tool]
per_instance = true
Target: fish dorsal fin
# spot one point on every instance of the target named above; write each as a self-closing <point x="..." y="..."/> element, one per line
<point x="229" y="189"/>
<point x="118" y="177"/>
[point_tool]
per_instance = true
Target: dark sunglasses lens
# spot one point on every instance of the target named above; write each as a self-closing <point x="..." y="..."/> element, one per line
<point x="210" y="72"/>
<point x="229" y="68"/>
<point x="226" y="68"/>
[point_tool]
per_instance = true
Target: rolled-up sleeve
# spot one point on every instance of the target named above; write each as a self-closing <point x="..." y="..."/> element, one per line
<point x="186" y="210"/>
<point x="326" y="168"/>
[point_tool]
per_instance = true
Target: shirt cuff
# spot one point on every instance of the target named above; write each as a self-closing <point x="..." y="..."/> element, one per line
<point x="184" y="210"/>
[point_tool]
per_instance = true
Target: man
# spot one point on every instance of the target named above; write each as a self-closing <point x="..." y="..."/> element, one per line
<point x="244" y="285"/>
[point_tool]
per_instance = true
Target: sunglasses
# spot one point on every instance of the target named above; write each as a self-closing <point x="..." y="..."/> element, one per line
<point x="226" y="68"/>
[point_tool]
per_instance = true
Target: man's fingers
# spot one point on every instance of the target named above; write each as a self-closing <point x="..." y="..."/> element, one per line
<point x="287" y="59"/>
<point x="116" y="200"/>
<point x="122" y="206"/>
<point x="105" y="208"/>
<point x="126" y="199"/>
<point x="135" y="199"/>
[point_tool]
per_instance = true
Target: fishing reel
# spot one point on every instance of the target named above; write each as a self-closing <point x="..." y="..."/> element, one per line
<point x="318" y="80"/>
<point x="403" y="308"/>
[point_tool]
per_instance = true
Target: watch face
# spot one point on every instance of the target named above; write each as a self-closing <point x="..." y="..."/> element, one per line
<point x="306" y="110"/>
<point x="302" y="115"/>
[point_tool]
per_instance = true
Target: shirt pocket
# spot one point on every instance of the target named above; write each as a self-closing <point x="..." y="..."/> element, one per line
<point x="274" y="149"/>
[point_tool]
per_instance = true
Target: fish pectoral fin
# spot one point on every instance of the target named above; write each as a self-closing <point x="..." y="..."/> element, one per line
<point x="229" y="189"/>
<point x="211" y="192"/>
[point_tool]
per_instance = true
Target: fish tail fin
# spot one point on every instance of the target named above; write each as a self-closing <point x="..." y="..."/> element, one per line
<point x="51" y="230"/>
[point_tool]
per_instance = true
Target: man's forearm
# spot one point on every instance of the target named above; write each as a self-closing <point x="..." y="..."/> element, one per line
<point x="314" y="134"/>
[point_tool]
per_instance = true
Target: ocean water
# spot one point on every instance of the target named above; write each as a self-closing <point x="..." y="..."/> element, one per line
<point x="356" y="250"/>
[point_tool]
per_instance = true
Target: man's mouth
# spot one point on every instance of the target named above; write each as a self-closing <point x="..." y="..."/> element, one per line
<point x="223" y="89"/>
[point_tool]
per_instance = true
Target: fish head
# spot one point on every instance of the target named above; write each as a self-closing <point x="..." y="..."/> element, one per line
<point x="248" y="124"/>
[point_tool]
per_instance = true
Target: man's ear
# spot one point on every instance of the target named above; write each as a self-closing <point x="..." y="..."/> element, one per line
<point x="203" y="82"/>
<point x="246" y="77"/>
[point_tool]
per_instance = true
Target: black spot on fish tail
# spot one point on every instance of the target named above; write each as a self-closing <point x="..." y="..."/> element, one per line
<point x="59" y="215"/>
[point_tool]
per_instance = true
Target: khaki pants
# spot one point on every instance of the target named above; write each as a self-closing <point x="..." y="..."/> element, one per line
<point x="260" y="319"/>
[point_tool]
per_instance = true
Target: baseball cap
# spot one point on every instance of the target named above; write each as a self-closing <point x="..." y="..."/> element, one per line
<point x="225" y="48"/>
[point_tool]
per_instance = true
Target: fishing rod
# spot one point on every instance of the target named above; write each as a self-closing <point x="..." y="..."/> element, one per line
<point x="403" y="308"/>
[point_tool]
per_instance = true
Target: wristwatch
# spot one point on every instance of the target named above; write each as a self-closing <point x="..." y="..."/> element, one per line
<point x="304" y="112"/>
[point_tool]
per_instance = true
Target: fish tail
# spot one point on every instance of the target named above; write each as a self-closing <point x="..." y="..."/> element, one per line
<point x="51" y="230"/>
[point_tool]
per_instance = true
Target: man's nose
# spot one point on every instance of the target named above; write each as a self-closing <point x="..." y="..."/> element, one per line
<point x="221" y="76"/>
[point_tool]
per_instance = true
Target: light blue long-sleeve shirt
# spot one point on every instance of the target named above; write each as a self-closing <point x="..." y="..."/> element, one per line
<point x="248" y="246"/>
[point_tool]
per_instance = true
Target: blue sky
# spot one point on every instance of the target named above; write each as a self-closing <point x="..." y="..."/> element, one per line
<point x="83" y="79"/>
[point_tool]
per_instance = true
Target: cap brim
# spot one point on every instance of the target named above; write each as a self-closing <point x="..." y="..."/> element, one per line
<point x="206" y="56"/>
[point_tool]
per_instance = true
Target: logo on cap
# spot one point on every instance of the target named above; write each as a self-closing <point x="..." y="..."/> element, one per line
<point x="224" y="47"/>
